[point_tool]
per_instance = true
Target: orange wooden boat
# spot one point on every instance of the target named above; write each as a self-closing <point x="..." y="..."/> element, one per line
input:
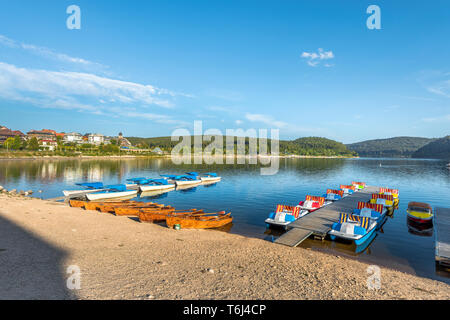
<point x="159" y="216"/>
<point x="77" y="203"/>
<point x="111" y="208"/>
<point x="134" y="211"/>
<point x="95" y="205"/>
<point x="205" y="221"/>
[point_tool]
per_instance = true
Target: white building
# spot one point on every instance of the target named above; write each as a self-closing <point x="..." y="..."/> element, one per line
<point x="73" y="137"/>
<point x="96" y="138"/>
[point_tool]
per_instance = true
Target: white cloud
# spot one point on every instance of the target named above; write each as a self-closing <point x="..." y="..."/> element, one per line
<point x="268" y="120"/>
<point x="46" y="52"/>
<point x="314" y="58"/>
<point x="239" y="122"/>
<point x="83" y="92"/>
<point x="443" y="118"/>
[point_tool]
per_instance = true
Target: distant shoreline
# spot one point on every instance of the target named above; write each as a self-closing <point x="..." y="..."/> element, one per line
<point x="113" y="157"/>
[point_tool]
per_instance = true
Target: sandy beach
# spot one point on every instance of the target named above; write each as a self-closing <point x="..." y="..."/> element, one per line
<point x="120" y="258"/>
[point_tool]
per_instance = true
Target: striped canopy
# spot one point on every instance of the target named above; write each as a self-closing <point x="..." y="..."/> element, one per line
<point x="321" y="200"/>
<point x="339" y="192"/>
<point x="383" y="190"/>
<point x="343" y="186"/>
<point x="364" y="222"/>
<point x="388" y="197"/>
<point x="295" y="211"/>
<point x="376" y="207"/>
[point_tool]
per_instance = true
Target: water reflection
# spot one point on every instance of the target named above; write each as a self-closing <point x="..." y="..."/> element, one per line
<point x="250" y="197"/>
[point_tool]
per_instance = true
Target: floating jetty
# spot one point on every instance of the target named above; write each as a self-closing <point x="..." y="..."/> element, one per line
<point x="319" y="222"/>
<point x="442" y="231"/>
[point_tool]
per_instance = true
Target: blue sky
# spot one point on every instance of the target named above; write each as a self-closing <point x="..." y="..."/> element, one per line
<point x="148" y="67"/>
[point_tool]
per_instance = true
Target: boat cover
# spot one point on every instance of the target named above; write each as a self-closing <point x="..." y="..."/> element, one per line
<point x="117" y="187"/>
<point x="91" y="185"/>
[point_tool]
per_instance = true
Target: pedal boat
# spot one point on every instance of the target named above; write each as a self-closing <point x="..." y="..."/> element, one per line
<point x="210" y="177"/>
<point x="387" y="191"/>
<point x="333" y="195"/>
<point x="375" y="212"/>
<point x="89" y="187"/>
<point x="359" y="185"/>
<point x="284" y="215"/>
<point x="111" y="192"/>
<point x="348" y="190"/>
<point x="353" y="228"/>
<point x="145" y="185"/>
<point x="384" y="199"/>
<point x="312" y="203"/>
<point x="420" y="212"/>
<point x="183" y="180"/>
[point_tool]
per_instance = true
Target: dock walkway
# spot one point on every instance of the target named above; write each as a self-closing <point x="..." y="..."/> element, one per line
<point x="442" y="231"/>
<point x="319" y="222"/>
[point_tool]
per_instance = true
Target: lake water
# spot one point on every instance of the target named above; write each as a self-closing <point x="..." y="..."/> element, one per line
<point x="251" y="196"/>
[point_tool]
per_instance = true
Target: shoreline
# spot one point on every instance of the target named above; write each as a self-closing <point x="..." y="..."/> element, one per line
<point x="120" y="258"/>
<point x="167" y="156"/>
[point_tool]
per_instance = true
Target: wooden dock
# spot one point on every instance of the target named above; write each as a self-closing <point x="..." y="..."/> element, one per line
<point x="319" y="222"/>
<point x="442" y="232"/>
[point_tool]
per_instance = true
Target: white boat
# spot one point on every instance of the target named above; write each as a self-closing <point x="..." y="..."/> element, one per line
<point x="89" y="187"/>
<point x="210" y="177"/>
<point x="114" y="191"/>
<point x="187" y="182"/>
<point x="156" y="187"/>
<point x="285" y="215"/>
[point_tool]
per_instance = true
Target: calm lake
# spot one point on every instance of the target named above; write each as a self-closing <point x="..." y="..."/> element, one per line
<point x="250" y="196"/>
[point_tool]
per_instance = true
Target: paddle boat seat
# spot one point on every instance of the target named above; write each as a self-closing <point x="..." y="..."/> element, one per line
<point x="368" y="213"/>
<point x="284" y="215"/>
<point x="309" y="205"/>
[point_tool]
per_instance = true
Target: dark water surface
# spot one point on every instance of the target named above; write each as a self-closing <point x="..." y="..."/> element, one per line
<point x="251" y="196"/>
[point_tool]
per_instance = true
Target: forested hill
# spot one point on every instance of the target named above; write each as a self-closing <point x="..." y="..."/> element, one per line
<point x="438" y="149"/>
<point x="392" y="147"/>
<point x="315" y="146"/>
<point x="310" y="146"/>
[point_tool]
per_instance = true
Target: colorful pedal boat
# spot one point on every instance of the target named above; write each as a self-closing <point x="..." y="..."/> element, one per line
<point x="312" y="203"/>
<point x="353" y="228"/>
<point x="388" y="191"/>
<point x="420" y="212"/>
<point x="348" y="189"/>
<point x="385" y="200"/>
<point x="284" y="215"/>
<point x="210" y="177"/>
<point x="359" y="185"/>
<point x="333" y="195"/>
<point x="375" y="212"/>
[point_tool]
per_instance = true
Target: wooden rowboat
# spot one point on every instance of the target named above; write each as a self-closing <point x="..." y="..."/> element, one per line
<point x="206" y="221"/>
<point x="159" y="216"/>
<point x="97" y="205"/>
<point x="112" y="208"/>
<point x="134" y="211"/>
<point x="77" y="203"/>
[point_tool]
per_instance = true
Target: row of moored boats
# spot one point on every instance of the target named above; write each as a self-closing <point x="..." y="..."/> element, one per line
<point x="94" y="191"/>
<point x="358" y="225"/>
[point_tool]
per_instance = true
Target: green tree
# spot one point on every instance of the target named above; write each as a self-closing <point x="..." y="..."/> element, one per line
<point x="17" y="143"/>
<point x="33" y="144"/>
<point x="9" y="143"/>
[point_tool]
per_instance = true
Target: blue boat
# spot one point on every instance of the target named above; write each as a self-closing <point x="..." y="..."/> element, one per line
<point x="112" y="191"/>
<point x="353" y="228"/>
<point x="87" y="187"/>
<point x="183" y="180"/>
<point x="144" y="184"/>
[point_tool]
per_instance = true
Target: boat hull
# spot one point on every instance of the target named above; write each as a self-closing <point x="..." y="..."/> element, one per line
<point x="148" y="188"/>
<point x="188" y="183"/>
<point x="72" y="193"/>
<point x="210" y="179"/>
<point x="110" y="195"/>
<point x="198" y="223"/>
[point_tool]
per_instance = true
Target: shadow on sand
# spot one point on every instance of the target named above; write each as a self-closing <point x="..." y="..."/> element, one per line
<point x="30" y="268"/>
